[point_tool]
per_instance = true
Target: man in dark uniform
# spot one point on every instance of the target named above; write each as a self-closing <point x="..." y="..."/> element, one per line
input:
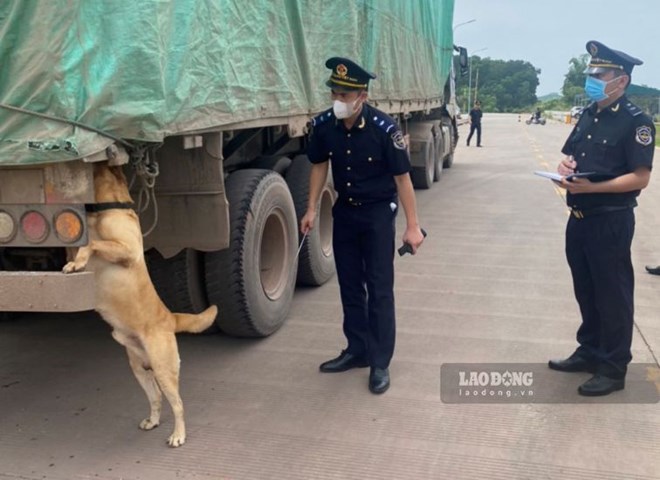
<point x="370" y="168"/>
<point x="475" y="123"/>
<point x="615" y="140"/>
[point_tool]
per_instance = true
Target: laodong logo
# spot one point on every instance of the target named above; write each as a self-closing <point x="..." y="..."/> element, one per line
<point x="495" y="379"/>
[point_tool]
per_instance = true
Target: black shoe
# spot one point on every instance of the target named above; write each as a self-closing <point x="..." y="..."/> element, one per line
<point x="379" y="380"/>
<point x="574" y="363"/>
<point x="345" y="361"/>
<point x="601" y="385"/>
<point x="653" y="270"/>
<point x="479" y="146"/>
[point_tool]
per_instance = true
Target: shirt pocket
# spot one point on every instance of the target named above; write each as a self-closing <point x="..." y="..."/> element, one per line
<point x="603" y="144"/>
<point x="370" y="164"/>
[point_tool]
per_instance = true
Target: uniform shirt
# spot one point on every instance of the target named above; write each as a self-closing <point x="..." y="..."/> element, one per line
<point x="475" y="116"/>
<point x="613" y="142"/>
<point x="365" y="158"/>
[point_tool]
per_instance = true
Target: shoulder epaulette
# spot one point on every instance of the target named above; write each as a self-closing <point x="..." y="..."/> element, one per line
<point x="384" y="122"/>
<point x="322" y="118"/>
<point x="632" y="109"/>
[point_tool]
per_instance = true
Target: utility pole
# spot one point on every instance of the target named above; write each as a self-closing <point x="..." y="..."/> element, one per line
<point x="470" y="76"/>
<point x="469" y="105"/>
<point x="476" y="85"/>
<point x="467" y="109"/>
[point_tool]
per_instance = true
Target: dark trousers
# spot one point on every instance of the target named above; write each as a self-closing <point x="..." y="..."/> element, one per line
<point x="598" y="252"/>
<point x="363" y="242"/>
<point x="473" y="127"/>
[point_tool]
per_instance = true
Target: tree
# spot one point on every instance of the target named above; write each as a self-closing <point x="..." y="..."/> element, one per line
<point x="573" y="87"/>
<point x="501" y="86"/>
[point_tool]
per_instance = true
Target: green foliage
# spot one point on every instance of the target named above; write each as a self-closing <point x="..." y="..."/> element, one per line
<point x="500" y="86"/>
<point x="556" y="104"/>
<point x="646" y="98"/>
<point x="573" y="88"/>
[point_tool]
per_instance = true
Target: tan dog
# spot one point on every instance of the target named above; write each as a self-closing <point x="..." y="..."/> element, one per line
<point x="127" y="300"/>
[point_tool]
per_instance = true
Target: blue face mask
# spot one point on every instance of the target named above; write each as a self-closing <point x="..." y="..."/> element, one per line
<point x="594" y="88"/>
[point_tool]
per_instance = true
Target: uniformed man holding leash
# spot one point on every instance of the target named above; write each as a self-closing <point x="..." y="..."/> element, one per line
<point x="370" y="168"/>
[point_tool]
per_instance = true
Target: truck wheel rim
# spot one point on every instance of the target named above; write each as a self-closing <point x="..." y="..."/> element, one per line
<point x="273" y="255"/>
<point x="325" y="223"/>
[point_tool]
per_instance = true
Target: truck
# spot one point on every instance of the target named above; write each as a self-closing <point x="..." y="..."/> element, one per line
<point x="206" y="104"/>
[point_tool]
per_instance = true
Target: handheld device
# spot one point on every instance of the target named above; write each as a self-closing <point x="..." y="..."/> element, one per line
<point x="407" y="248"/>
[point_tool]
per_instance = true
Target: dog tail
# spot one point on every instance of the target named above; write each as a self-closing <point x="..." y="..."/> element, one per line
<point x="195" y="323"/>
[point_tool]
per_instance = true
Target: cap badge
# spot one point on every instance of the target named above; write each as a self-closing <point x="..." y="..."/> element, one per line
<point x="593" y="49"/>
<point x="342" y="71"/>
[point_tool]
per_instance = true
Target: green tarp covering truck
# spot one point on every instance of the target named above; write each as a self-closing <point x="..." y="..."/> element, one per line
<point x="207" y="104"/>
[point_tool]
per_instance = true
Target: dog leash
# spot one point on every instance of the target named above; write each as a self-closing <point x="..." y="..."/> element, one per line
<point x="301" y="245"/>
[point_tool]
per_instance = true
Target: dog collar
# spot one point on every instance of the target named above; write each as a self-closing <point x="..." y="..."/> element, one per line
<point x="100" y="207"/>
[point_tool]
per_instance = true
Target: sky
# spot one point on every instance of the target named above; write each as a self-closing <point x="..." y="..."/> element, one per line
<point x="548" y="33"/>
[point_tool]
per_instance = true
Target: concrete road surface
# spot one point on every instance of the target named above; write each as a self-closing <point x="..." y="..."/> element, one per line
<point x="489" y="286"/>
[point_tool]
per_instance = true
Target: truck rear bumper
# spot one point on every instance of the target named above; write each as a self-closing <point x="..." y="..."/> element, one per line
<point x="46" y="292"/>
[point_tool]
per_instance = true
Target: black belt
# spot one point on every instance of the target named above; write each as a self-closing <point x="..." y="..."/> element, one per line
<point x="578" y="213"/>
<point x="359" y="203"/>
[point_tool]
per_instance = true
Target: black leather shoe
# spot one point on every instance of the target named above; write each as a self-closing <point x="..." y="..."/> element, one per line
<point x="574" y="363"/>
<point x="379" y="380"/>
<point x="601" y="385"/>
<point x="345" y="361"/>
<point x="653" y="270"/>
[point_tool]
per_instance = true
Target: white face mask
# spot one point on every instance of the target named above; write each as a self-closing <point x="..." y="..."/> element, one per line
<point x="344" y="110"/>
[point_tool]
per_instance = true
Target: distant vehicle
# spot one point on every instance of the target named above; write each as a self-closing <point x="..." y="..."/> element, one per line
<point x="535" y="120"/>
<point x="576" y="111"/>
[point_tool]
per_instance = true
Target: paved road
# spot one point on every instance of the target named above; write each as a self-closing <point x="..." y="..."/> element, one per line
<point x="491" y="285"/>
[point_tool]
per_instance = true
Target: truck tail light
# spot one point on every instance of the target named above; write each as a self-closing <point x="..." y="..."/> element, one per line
<point x="68" y="226"/>
<point x="7" y="227"/>
<point x="34" y="227"/>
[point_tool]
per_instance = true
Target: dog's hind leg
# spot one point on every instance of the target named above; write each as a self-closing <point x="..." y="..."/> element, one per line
<point x="164" y="358"/>
<point x="139" y="362"/>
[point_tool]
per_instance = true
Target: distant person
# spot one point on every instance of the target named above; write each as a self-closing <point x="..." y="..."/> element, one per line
<point x="616" y="140"/>
<point x="475" y="123"/>
<point x="537" y="114"/>
<point x="370" y="167"/>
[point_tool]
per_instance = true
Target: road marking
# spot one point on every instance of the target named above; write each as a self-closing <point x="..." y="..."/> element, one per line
<point x="535" y="147"/>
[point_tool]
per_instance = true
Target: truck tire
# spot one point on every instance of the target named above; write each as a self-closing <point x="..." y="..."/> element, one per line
<point x="438" y="161"/>
<point x="449" y="159"/>
<point x="179" y="280"/>
<point x="252" y="281"/>
<point x="279" y="164"/>
<point x="422" y="177"/>
<point x="316" y="261"/>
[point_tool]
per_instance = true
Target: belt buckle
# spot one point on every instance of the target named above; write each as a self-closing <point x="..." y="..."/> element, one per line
<point x="577" y="213"/>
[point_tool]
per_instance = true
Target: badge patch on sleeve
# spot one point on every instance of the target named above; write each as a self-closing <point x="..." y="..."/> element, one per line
<point x="399" y="141"/>
<point x="643" y="135"/>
